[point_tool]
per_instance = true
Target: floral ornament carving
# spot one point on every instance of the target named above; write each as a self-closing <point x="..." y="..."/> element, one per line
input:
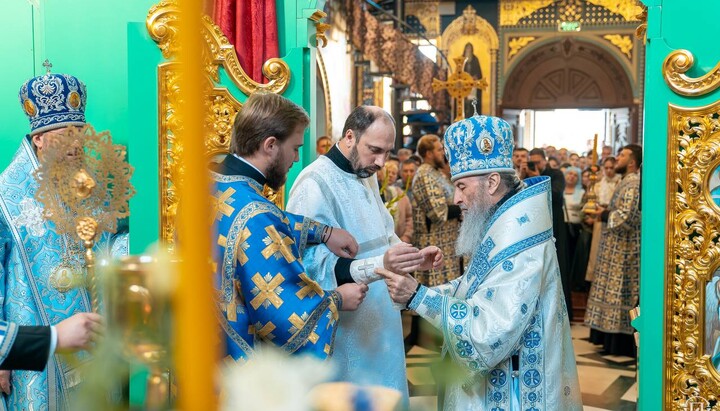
<point x="511" y="12"/>
<point x="675" y="66"/>
<point x="629" y="9"/>
<point x="623" y="43"/>
<point x="693" y="251"/>
<point x="518" y="43"/>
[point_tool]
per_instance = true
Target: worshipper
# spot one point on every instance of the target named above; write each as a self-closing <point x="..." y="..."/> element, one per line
<point x="340" y="189"/>
<point x="562" y="155"/>
<point x="605" y="153"/>
<point x="604" y="190"/>
<point x="557" y="184"/>
<point x="585" y="179"/>
<point x="396" y="201"/>
<point x="583" y="162"/>
<point x="504" y="322"/>
<point x="408" y="168"/>
<point x="436" y="218"/>
<point x="553" y="163"/>
<point x="35" y="259"/>
<point x="322" y="145"/>
<point x="265" y="295"/>
<point x="31" y="347"/>
<point x="573" y="197"/>
<point x="615" y="288"/>
<point x="404" y="154"/>
<point x="574" y="160"/>
<point x="520" y="159"/>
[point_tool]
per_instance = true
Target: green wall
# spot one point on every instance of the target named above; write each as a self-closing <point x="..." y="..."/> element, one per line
<point x="672" y="25"/>
<point x="84" y="38"/>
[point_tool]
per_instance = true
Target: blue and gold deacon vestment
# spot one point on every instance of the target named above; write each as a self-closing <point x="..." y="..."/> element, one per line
<point x="264" y="295"/>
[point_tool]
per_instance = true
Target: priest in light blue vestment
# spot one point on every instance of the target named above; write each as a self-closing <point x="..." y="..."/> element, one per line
<point x="34" y="259"/>
<point x="504" y="322"/>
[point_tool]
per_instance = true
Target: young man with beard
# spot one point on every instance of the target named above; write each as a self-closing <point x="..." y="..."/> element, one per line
<point x="504" y="322"/>
<point x="615" y="289"/>
<point x="339" y="189"/>
<point x="265" y="296"/>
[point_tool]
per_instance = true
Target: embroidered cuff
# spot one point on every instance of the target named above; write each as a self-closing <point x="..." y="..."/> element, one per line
<point x="428" y="303"/>
<point x="316" y="232"/>
<point x="363" y="271"/>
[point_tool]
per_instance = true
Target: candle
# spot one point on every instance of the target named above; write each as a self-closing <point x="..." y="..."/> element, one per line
<point x="595" y="151"/>
<point x="195" y="325"/>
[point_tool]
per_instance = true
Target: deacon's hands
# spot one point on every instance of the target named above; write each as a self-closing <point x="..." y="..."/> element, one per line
<point x="352" y="295"/>
<point x="403" y="258"/>
<point x="433" y="258"/>
<point x="77" y="332"/>
<point x="400" y="286"/>
<point x="342" y="243"/>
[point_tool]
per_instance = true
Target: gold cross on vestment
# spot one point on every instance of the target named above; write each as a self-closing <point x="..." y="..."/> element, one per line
<point x="265" y="331"/>
<point x="244" y="245"/>
<point x="298" y="323"/>
<point x="221" y="203"/>
<point x="267" y="290"/>
<point x="459" y="85"/>
<point x="277" y="244"/>
<point x="308" y="287"/>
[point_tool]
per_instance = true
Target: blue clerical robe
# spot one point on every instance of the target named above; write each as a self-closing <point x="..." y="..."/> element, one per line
<point x="32" y="258"/>
<point x="508" y="303"/>
<point x="264" y="294"/>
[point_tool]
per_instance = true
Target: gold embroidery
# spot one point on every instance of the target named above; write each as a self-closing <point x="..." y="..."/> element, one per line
<point x="327" y="349"/>
<point x="308" y="288"/>
<point x="278" y="245"/>
<point x="298" y="323"/>
<point x="265" y="331"/>
<point x="222" y="240"/>
<point x="221" y="203"/>
<point x="267" y="290"/>
<point x="244" y="245"/>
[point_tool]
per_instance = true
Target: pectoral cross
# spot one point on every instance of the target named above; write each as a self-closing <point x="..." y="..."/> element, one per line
<point x="459" y="85"/>
<point x="47" y="65"/>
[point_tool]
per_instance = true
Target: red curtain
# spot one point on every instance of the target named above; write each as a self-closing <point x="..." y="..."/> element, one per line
<point x="250" y="25"/>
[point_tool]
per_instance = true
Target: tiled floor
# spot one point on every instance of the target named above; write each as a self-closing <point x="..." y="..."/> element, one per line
<point x="606" y="382"/>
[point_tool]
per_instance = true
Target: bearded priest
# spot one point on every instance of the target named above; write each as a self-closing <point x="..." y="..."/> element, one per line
<point x="505" y="324"/>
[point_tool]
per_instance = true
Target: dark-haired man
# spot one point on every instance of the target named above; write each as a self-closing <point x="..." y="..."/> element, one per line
<point x="339" y="189"/>
<point x="264" y="293"/>
<point x="615" y="289"/>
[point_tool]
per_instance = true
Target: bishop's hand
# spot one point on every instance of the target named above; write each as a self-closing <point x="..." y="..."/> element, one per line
<point x="342" y="243"/>
<point x="401" y="286"/>
<point x="403" y="258"/>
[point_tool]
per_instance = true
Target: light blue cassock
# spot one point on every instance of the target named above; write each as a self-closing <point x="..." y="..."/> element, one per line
<point x="369" y="345"/>
<point x="508" y="302"/>
<point x="31" y="250"/>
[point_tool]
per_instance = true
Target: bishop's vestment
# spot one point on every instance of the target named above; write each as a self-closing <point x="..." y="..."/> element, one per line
<point x="264" y="294"/>
<point x="32" y="258"/>
<point x="508" y="303"/>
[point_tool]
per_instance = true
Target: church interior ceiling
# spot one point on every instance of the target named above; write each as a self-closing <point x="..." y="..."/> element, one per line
<point x="542" y="13"/>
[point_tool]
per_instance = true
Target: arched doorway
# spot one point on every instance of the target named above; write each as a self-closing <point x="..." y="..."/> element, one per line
<point x="571" y="73"/>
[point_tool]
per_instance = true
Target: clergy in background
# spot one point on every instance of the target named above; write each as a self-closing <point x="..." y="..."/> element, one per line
<point x="504" y="321"/>
<point x="340" y="189"/>
<point x="265" y="296"/>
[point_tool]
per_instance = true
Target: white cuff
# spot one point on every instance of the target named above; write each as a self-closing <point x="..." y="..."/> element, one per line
<point x="53" y="341"/>
<point x="363" y="271"/>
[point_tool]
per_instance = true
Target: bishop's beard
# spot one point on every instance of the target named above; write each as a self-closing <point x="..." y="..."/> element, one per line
<point x="473" y="226"/>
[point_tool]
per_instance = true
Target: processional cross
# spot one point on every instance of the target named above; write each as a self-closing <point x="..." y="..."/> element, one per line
<point x="459" y="85"/>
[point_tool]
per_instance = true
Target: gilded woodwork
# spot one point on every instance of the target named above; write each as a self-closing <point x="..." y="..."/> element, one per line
<point x="470" y="24"/>
<point x="428" y="13"/>
<point x="326" y="93"/>
<point x="515" y="44"/>
<point x="623" y="43"/>
<point x="629" y="9"/>
<point x="693" y="252"/>
<point x="512" y="11"/>
<point x="675" y="66"/>
<point x="320" y="28"/>
<point x="221" y="106"/>
<point x="641" y="30"/>
<point x="459" y="85"/>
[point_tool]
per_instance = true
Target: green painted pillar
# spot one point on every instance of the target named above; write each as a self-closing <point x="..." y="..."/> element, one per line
<point x="672" y="25"/>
